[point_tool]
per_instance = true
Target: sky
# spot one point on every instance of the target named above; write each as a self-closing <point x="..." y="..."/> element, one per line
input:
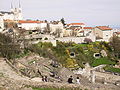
<point x="90" y="12"/>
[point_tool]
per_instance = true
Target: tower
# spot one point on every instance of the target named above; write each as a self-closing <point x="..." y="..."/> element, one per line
<point x="20" y="17"/>
<point x="17" y="12"/>
<point x="11" y="7"/>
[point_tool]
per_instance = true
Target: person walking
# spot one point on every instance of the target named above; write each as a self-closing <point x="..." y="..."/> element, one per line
<point x="70" y="79"/>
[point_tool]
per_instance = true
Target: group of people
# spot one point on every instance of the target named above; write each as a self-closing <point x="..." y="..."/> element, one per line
<point x="70" y="80"/>
<point x="44" y="79"/>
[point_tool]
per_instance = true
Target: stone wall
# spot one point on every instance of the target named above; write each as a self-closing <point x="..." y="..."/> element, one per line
<point x="108" y="77"/>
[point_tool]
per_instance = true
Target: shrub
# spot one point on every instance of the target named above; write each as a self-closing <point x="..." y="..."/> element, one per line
<point x="30" y="32"/>
<point x="46" y="38"/>
<point x="87" y="40"/>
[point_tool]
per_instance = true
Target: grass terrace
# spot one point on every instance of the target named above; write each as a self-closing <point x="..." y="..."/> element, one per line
<point x="101" y="61"/>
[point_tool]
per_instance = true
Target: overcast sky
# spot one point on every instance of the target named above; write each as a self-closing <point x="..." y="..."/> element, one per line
<point x="91" y="12"/>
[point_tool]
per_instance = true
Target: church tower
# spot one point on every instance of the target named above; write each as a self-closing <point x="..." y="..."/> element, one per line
<point x="17" y="12"/>
<point x="20" y="17"/>
<point x="11" y="7"/>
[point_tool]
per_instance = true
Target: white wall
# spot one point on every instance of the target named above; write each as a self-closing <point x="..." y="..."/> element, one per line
<point x="8" y="16"/>
<point x="54" y="27"/>
<point x="104" y="34"/>
<point x="107" y="34"/>
<point x="1" y="24"/>
<point x="42" y="26"/>
<point x="98" y="32"/>
<point x="33" y="26"/>
<point x="28" y="26"/>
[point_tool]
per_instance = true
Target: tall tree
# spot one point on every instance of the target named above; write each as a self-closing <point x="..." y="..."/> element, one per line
<point x="8" y="47"/>
<point x="63" y="21"/>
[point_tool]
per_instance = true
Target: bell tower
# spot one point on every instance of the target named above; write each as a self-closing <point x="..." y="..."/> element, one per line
<point x="17" y="12"/>
<point x="11" y="7"/>
<point x="20" y="17"/>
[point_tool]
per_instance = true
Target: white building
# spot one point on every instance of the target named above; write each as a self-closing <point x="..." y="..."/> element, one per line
<point x="103" y="33"/>
<point x="56" y="27"/>
<point x="74" y="29"/>
<point x="32" y="25"/>
<point x="1" y="23"/>
<point x="14" y="14"/>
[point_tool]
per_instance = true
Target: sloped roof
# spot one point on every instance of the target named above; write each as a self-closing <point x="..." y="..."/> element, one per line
<point x="104" y="27"/>
<point x="29" y="21"/>
<point x="87" y="27"/>
<point x="76" y="24"/>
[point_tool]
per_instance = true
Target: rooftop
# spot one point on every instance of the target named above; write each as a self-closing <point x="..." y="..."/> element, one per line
<point x="3" y="12"/>
<point x="104" y="27"/>
<point x="29" y="21"/>
<point x="87" y="27"/>
<point x="76" y="24"/>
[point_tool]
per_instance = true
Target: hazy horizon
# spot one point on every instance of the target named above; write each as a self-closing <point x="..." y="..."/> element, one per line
<point x="90" y="12"/>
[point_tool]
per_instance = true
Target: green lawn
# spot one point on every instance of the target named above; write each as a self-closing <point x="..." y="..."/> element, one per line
<point x="117" y="70"/>
<point x="100" y="61"/>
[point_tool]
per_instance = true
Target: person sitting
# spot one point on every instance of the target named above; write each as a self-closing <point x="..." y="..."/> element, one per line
<point x="70" y="80"/>
<point x="77" y="80"/>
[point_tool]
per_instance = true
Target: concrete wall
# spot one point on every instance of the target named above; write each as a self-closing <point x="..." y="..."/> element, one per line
<point x="71" y="39"/>
<point x="108" y="77"/>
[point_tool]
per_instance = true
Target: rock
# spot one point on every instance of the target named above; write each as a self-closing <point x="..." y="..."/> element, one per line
<point x="37" y="79"/>
<point x="103" y="53"/>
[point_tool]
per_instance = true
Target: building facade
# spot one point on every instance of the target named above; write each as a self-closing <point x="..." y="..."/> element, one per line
<point x="14" y="14"/>
<point x="103" y="33"/>
<point x="1" y="23"/>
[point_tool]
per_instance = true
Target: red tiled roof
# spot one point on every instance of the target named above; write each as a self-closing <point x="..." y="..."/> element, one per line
<point x="8" y="20"/>
<point x="87" y="27"/>
<point x="104" y="27"/>
<point x="76" y="24"/>
<point x="29" y="21"/>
